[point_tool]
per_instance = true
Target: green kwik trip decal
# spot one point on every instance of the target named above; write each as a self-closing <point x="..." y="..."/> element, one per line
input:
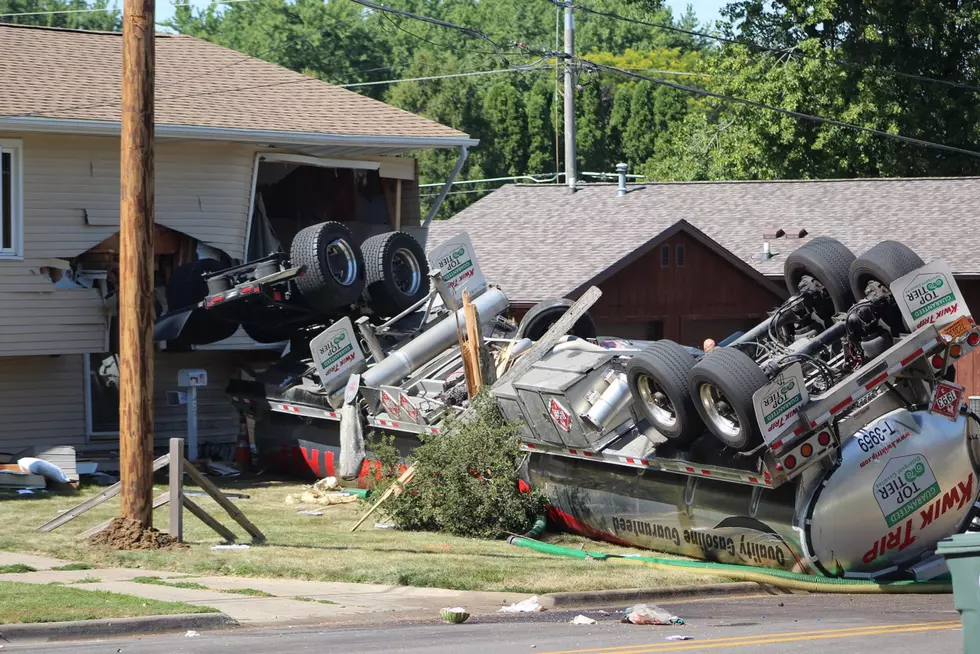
<point x="933" y="293"/>
<point x="336" y="356"/>
<point x="905" y="485"/>
<point x="456" y="272"/>
<point x="779" y="410"/>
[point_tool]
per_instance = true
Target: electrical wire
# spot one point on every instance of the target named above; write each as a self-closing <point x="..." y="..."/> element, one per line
<point x="786" y="112"/>
<point x="448" y="76"/>
<point x="100" y="9"/>
<point x="763" y="48"/>
<point x="428" y="19"/>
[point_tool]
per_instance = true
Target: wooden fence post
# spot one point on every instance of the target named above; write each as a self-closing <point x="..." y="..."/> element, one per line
<point x="177" y="489"/>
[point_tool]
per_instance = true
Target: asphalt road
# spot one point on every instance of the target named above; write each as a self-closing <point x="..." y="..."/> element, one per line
<point x="764" y="624"/>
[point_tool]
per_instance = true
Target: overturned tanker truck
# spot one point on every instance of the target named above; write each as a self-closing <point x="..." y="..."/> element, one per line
<point x="829" y="439"/>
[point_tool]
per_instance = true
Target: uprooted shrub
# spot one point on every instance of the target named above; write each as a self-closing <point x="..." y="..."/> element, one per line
<point x="466" y="482"/>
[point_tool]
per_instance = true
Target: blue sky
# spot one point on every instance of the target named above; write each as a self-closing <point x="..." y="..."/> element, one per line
<point x="705" y="10"/>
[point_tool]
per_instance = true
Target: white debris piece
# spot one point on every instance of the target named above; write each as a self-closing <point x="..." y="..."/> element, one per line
<point x="582" y="619"/>
<point x="310" y="512"/>
<point x="44" y="468"/>
<point x="678" y="637"/>
<point x="191" y="634"/>
<point x="237" y="546"/>
<point x="649" y="614"/>
<point x="530" y="605"/>
<point x="327" y="484"/>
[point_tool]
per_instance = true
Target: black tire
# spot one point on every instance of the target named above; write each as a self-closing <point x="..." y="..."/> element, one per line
<point x="884" y="263"/>
<point x="828" y="261"/>
<point x="187" y="287"/>
<point x="396" y="272"/>
<point x="664" y="369"/>
<point x="334" y="275"/>
<point x="543" y="315"/>
<point x="265" y="334"/>
<point x="729" y="375"/>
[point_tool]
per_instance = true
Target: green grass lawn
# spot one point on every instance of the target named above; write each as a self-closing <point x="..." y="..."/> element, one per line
<point x="323" y="549"/>
<point x="20" y="602"/>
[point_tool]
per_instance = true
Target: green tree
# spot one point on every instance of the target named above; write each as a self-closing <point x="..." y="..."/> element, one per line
<point x="506" y="117"/>
<point x="541" y="127"/>
<point x="106" y="17"/>
<point x="591" y="117"/>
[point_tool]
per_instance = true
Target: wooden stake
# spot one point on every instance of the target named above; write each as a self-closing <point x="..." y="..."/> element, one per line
<point x="136" y="264"/>
<point x="471" y="349"/>
<point x="395" y="489"/>
<point x="222" y="501"/>
<point x="177" y="489"/>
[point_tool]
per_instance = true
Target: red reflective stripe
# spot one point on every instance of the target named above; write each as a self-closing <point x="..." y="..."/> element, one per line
<point x="689" y="469"/>
<point x="798" y="431"/>
<point x="588" y="454"/>
<point x="778" y="444"/>
<point x="912" y="357"/>
<point x="705" y="472"/>
<point x="527" y="445"/>
<point x="629" y="460"/>
<point x="840" y="406"/>
<point x="572" y="452"/>
<point x="877" y="380"/>
<point x="754" y="480"/>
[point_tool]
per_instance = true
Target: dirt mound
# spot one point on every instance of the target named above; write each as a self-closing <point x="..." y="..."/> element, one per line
<point x="126" y="534"/>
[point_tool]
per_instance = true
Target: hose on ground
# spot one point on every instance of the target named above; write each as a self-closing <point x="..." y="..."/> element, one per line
<point x="540" y="522"/>
<point x="768" y="576"/>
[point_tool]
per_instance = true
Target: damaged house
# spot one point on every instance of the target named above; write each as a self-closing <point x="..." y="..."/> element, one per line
<point x="247" y="154"/>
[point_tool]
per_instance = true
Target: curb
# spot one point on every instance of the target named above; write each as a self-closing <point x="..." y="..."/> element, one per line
<point x="79" y="629"/>
<point x="627" y="595"/>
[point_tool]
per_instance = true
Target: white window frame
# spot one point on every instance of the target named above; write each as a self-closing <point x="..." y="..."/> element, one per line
<point x="90" y="433"/>
<point x="15" y="148"/>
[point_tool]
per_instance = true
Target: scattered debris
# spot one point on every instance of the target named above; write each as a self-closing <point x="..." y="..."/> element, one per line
<point x="222" y="470"/>
<point x="679" y="637"/>
<point x="385" y="525"/>
<point x="455" y="615"/>
<point x="649" y="614"/>
<point x="191" y="634"/>
<point x="327" y="484"/>
<point x="126" y="534"/>
<point x="236" y="546"/>
<point x="327" y="491"/>
<point x="310" y="512"/>
<point x="530" y="605"/>
<point x="23" y="480"/>
<point x="581" y="619"/>
<point x="24" y="491"/>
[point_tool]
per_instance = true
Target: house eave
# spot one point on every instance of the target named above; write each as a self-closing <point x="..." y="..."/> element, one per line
<point x="265" y="137"/>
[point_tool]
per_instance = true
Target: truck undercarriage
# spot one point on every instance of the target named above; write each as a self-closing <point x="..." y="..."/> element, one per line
<point x="829" y="439"/>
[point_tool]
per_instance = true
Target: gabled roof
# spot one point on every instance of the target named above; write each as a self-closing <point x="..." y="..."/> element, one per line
<point x="70" y="75"/>
<point x="540" y="241"/>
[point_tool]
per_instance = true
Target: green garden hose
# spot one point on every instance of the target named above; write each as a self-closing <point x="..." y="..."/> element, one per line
<point x="768" y="576"/>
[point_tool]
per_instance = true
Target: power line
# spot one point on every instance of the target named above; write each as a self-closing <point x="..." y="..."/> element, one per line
<point x="792" y="52"/>
<point x="780" y="110"/>
<point x="516" y="69"/>
<point x="427" y="19"/>
<point x="99" y="9"/>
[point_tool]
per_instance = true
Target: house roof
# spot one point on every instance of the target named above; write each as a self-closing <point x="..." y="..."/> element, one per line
<point x="540" y="241"/>
<point x="71" y="75"/>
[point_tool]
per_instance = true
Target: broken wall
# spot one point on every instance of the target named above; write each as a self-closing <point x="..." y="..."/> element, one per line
<point x="71" y="203"/>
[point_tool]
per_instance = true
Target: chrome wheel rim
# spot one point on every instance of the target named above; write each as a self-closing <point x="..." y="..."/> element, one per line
<point x="406" y="271"/>
<point x="720" y="413"/>
<point x="341" y="262"/>
<point x="656" y="401"/>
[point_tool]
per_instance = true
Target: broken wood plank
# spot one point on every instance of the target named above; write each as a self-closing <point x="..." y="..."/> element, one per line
<point x="223" y="501"/>
<point x="94" y="501"/>
<point x="395" y="489"/>
<point x="207" y="519"/>
<point x="159" y="501"/>
<point x="471" y="347"/>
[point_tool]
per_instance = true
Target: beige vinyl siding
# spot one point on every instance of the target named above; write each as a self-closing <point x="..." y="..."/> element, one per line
<point x="41" y="402"/>
<point x="71" y="203"/>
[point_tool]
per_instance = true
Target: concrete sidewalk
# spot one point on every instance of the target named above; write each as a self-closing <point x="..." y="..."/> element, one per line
<point x="351" y="603"/>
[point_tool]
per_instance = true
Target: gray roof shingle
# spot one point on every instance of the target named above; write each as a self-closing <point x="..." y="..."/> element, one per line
<point x="73" y="74"/>
<point x="539" y="241"/>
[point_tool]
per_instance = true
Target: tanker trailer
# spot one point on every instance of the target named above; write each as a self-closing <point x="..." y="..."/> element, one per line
<point x="830" y="439"/>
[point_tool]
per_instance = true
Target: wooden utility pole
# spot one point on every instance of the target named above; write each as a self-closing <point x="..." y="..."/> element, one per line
<point x="136" y="225"/>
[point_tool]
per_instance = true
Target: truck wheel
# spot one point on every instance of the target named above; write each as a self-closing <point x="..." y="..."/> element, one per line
<point x="185" y="288"/>
<point x="264" y="334"/>
<point x="882" y="264"/>
<point x="395" y="271"/>
<point x="722" y="384"/>
<point x="334" y="275"/>
<point x="539" y="319"/>
<point x="659" y="381"/>
<point x="826" y="260"/>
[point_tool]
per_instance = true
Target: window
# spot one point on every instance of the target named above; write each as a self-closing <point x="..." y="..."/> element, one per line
<point x="665" y="256"/>
<point x="679" y="256"/>
<point x="102" y="394"/>
<point x="11" y="202"/>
